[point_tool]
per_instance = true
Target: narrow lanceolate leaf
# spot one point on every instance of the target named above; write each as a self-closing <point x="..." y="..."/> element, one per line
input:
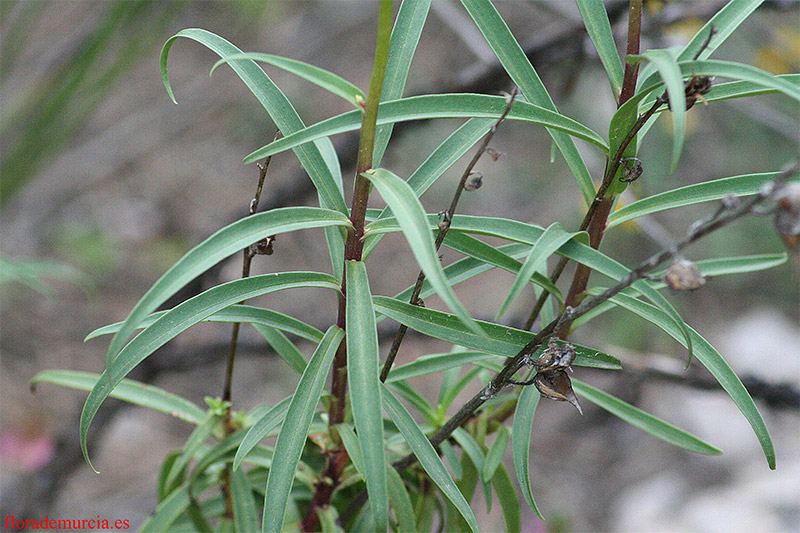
<point x="319" y="159"/>
<point x="498" y="339"/>
<point x="670" y="74"/>
<point x="283" y="347"/>
<point x="363" y="381"/>
<point x="413" y="221"/>
<point x="433" y="363"/>
<point x="316" y="158"/>
<point x="292" y="436"/>
<point x="401" y="502"/>
<point x="260" y="428"/>
<point x="128" y="391"/>
<point x="316" y="75"/>
<point x="436" y="106"/>
<point x="521" y="442"/>
<point x="719" y="368"/>
<point x="495" y="454"/>
<point x="514" y="61"/>
<point x="197" y="439"/>
<point x="245" y="516"/>
<point x="598" y="27"/>
<point x="427" y="456"/>
<point x="509" y="499"/>
<point x="407" y="29"/>
<point x="220" y="245"/>
<point x="234" y="313"/>
<point x="724" y="23"/>
<point x="644" y="421"/>
<point x="551" y="240"/>
<point x="690" y="195"/>
<point x="181" y="318"/>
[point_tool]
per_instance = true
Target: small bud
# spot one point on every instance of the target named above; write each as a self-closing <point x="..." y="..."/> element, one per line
<point x="787" y="216"/>
<point x="683" y="275"/>
<point x="494" y="154"/>
<point x="556" y="385"/>
<point x="631" y="170"/>
<point x="444" y="224"/>
<point x="730" y="201"/>
<point x="474" y="182"/>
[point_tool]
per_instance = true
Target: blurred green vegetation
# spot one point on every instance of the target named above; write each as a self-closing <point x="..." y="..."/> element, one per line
<point x="41" y="117"/>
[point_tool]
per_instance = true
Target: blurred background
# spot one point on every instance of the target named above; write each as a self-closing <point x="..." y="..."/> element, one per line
<point x="105" y="183"/>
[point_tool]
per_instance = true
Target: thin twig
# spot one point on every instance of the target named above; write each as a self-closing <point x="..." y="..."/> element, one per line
<point x="444" y="227"/>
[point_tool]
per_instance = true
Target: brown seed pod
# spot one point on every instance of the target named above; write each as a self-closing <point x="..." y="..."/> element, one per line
<point x="475" y="181"/>
<point x="683" y="275"/>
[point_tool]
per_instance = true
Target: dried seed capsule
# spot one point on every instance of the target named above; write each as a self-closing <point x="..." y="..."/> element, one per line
<point x="631" y="170"/>
<point x="683" y="275"/>
<point x="263" y="247"/>
<point x="494" y="154"/>
<point x="556" y="356"/>
<point x="556" y="385"/>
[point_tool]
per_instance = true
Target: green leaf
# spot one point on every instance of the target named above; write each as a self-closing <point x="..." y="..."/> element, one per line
<point x="495" y="454"/>
<point x="197" y="439"/>
<point x="283" y="347"/>
<point x="452" y="459"/>
<point x="514" y="61"/>
<point x="433" y="363"/>
<point x="644" y="421"/>
<point x="167" y="512"/>
<point x="500" y="340"/>
<point x="318" y="76"/>
<point x="260" y="428"/>
<point x="362" y="378"/>
<point x="414" y="398"/>
<point x="670" y="73"/>
<point x="407" y="29"/>
<point x="435" y="106"/>
<point x="293" y="434"/>
<point x="411" y="217"/>
<point x="598" y="27"/>
<point x="234" y="313"/>
<point x="401" y="502"/>
<point x="521" y="442"/>
<point x="509" y="500"/>
<point x="741" y="89"/>
<point x="719" y="368"/>
<point x="691" y="194"/>
<point x="740" y="264"/>
<point x="129" y="391"/>
<point x="220" y="245"/>
<point x="244" y="506"/>
<point x="427" y="456"/>
<point x="551" y="240"/>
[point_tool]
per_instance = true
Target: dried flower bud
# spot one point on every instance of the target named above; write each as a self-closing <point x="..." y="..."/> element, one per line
<point x="787" y="216"/>
<point x="695" y="88"/>
<point x="263" y="247"/>
<point x="494" y="154"/>
<point x="474" y="182"/>
<point x="631" y="170"/>
<point x="556" y="356"/>
<point x="556" y="385"/>
<point x="444" y="224"/>
<point x="683" y="275"/>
